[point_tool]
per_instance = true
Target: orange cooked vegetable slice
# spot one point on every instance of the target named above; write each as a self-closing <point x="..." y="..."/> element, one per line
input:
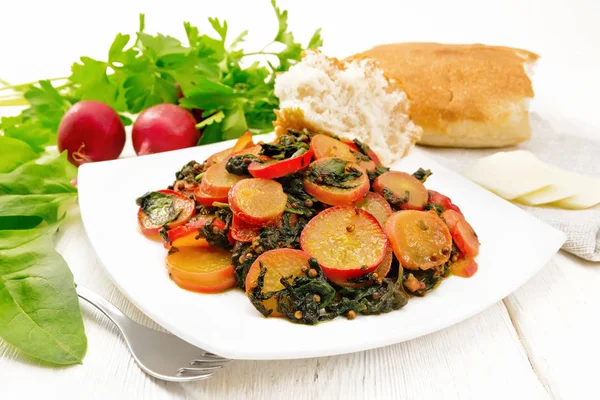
<point x="382" y="270"/>
<point x="403" y="189"/>
<point x="464" y="267"/>
<point x="377" y="206"/>
<point x="353" y="191"/>
<point x="420" y="239"/>
<point x="326" y="146"/>
<point x="243" y="142"/>
<point x="462" y="233"/>
<point x="201" y="269"/>
<point x="205" y="199"/>
<point x="242" y="231"/>
<point x="258" y="201"/>
<point x="346" y="241"/>
<point x="279" y="263"/>
<point x="183" y="207"/>
<point x="216" y="181"/>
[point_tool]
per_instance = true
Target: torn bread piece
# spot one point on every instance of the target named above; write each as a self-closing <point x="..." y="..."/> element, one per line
<point x="353" y="100"/>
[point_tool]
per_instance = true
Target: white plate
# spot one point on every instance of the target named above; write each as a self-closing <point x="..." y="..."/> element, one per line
<point x="514" y="247"/>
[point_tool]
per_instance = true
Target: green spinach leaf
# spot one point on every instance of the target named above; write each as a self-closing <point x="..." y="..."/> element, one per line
<point x="334" y="172"/>
<point x="159" y="207"/>
<point x="39" y="309"/>
<point x="52" y="176"/>
<point x="14" y="153"/>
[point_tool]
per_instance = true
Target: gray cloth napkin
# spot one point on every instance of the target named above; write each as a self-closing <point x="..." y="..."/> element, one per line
<point x="563" y="143"/>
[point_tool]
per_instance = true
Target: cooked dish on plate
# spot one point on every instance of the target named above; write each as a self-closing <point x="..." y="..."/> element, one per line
<point x="310" y="226"/>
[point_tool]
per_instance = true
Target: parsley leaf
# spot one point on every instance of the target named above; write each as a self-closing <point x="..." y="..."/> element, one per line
<point x="152" y="69"/>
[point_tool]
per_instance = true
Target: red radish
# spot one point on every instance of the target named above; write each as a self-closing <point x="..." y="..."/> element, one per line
<point x="462" y="233"/>
<point x="465" y="267"/>
<point x="91" y="131"/>
<point x="372" y="155"/>
<point x="164" y="127"/>
<point x="442" y="200"/>
<point x="217" y="182"/>
<point x="269" y="168"/>
<point x="377" y="206"/>
<point x="185" y="235"/>
<point x="258" y="201"/>
<point x="335" y="196"/>
<point x="244" y="143"/>
<point x="183" y="205"/>
<point x="382" y="270"/>
<point x="326" y="146"/>
<point x="420" y="239"/>
<point x="346" y="241"/>
<point x="279" y="263"/>
<point x="242" y="231"/>
<point x="403" y="190"/>
<point x="205" y="199"/>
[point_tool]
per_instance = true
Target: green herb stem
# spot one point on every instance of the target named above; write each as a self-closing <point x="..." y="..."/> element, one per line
<point x="13" y="101"/>
<point x="21" y="86"/>
<point x="260" y="53"/>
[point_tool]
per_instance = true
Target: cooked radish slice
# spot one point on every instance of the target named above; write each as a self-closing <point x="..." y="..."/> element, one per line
<point x="346" y="241"/>
<point x="185" y="235"/>
<point x="244" y="142"/>
<point x="201" y="269"/>
<point x="325" y="146"/>
<point x="255" y="149"/>
<point x="465" y="267"/>
<point x="205" y="199"/>
<point x="372" y="155"/>
<point x="257" y="201"/>
<point x="377" y="206"/>
<point x="279" y="263"/>
<point x="242" y="231"/>
<point x="322" y="173"/>
<point x="444" y="201"/>
<point x="216" y="181"/>
<point x="382" y="270"/>
<point x="218" y="157"/>
<point x="402" y="190"/>
<point x="168" y="207"/>
<point x="420" y="239"/>
<point x="271" y="169"/>
<point x="462" y="233"/>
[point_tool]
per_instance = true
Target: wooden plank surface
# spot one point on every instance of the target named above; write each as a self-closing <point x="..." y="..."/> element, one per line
<point x="556" y="317"/>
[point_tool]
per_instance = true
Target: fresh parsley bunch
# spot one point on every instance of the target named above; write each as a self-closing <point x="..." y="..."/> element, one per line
<point x="205" y="74"/>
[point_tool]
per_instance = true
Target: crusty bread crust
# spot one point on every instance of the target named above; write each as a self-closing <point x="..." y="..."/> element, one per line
<point x="462" y="95"/>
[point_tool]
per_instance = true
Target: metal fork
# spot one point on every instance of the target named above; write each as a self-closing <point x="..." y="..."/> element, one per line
<point x="159" y="354"/>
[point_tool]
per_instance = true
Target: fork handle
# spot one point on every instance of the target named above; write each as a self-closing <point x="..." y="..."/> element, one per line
<point x="107" y="308"/>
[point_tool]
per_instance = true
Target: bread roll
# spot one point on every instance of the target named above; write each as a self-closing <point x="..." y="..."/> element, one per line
<point x="349" y="99"/>
<point x="462" y="95"/>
